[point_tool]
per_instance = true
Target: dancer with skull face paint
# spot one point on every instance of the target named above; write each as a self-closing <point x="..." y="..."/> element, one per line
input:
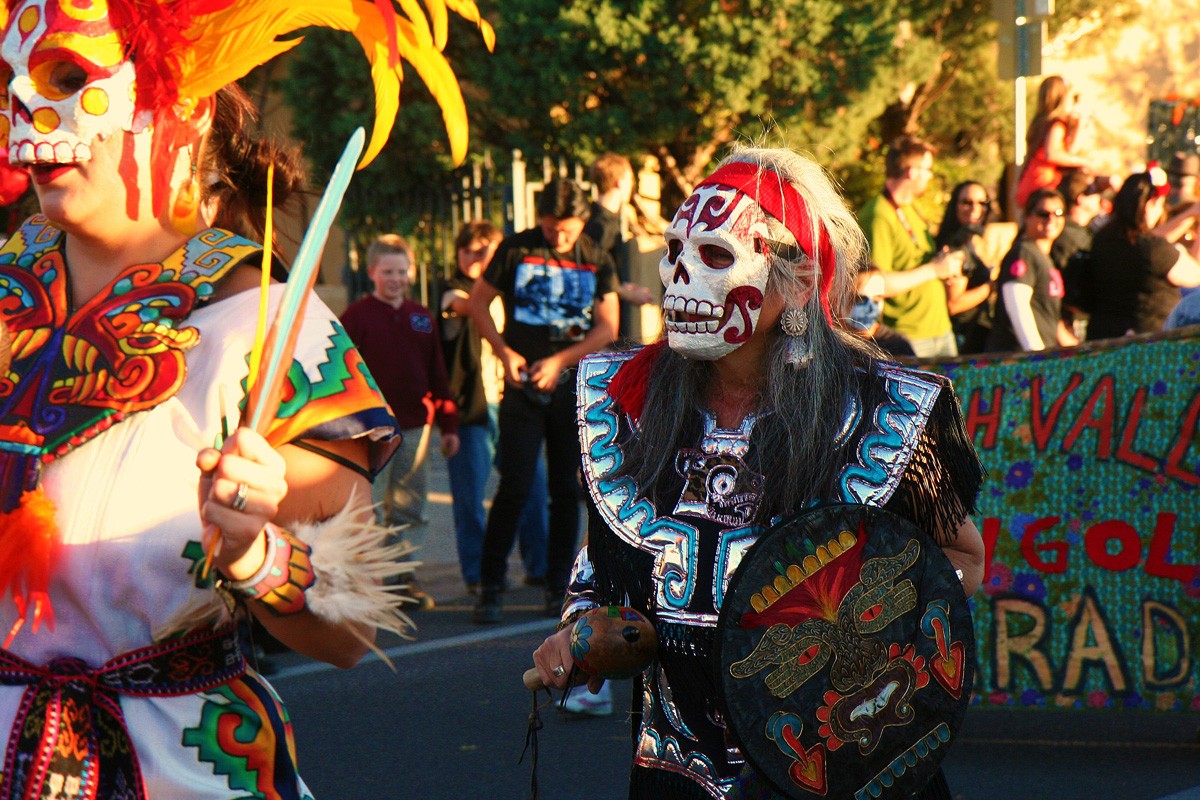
<point x="132" y="301"/>
<point x="758" y="404"/>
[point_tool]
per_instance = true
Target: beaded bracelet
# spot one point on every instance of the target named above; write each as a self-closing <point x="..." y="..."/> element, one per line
<point x="284" y="576"/>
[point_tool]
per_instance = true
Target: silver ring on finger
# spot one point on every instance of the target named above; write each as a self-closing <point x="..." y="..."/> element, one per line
<point x="558" y="671"/>
<point x="239" y="498"/>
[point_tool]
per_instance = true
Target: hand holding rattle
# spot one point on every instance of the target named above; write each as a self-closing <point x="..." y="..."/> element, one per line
<point x="610" y="642"/>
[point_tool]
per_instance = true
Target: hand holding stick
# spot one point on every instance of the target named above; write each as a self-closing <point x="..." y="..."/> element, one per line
<point x="275" y="357"/>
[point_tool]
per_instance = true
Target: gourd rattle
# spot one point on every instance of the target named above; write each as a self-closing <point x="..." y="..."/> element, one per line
<point x="610" y="642"/>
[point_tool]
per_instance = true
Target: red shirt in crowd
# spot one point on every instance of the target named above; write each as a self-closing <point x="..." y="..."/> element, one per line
<point x="402" y="349"/>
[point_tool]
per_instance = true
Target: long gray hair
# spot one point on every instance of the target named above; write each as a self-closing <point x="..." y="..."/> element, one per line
<point x="795" y="446"/>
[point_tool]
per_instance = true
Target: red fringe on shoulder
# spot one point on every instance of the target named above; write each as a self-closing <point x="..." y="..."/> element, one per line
<point x="628" y="387"/>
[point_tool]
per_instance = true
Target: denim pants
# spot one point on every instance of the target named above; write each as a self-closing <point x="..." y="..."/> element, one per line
<point x="525" y="426"/>
<point x="398" y="492"/>
<point x="469" y="470"/>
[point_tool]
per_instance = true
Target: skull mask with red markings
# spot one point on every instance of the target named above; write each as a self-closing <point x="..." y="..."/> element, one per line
<point x="715" y="272"/>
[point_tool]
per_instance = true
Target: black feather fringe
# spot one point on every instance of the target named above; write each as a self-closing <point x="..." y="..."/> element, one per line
<point x="940" y="487"/>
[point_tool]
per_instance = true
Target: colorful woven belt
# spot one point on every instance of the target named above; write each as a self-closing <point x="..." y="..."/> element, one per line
<point x="69" y="737"/>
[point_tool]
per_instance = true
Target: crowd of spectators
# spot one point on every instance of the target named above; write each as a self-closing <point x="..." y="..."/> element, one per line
<point x="1090" y="257"/>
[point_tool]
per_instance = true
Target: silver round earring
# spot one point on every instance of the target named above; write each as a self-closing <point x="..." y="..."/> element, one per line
<point x="794" y="322"/>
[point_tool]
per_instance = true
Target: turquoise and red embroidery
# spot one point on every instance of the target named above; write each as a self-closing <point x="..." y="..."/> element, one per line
<point x="75" y="373"/>
<point x="245" y="733"/>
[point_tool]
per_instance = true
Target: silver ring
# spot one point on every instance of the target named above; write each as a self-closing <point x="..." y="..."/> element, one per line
<point x="558" y="671"/>
<point x="239" y="499"/>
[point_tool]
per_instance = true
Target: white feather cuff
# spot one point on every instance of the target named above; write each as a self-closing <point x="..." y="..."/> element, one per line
<point x="356" y="569"/>
<point x="360" y="578"/>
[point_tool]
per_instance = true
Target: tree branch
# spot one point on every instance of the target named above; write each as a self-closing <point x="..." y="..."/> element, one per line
<point x="694" y="170"/>
<point x="934" y="88"/>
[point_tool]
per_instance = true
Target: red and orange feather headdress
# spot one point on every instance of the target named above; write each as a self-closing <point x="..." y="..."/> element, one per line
<point x="184" y="51"/>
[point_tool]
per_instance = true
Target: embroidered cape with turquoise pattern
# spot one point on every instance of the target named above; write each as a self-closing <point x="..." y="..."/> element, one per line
<point x="75" y="373"/>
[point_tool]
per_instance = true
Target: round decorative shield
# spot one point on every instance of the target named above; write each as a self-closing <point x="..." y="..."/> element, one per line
<point x="846" y="655"/>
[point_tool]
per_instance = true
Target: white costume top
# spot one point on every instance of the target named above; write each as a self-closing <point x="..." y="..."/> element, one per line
<point x="125" y="576"/>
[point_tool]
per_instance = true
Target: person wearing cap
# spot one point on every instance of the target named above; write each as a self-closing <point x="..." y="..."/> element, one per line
<point x="1137" y="265"/>
<point x="560" y="304"/>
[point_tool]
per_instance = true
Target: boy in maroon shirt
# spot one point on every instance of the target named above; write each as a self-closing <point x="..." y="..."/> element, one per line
<point x="398" y="339"/>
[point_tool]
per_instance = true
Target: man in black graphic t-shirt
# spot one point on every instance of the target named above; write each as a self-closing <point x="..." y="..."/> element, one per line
<point x="558" y="289"/>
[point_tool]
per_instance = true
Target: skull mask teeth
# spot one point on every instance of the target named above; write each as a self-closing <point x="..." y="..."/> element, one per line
<point x="66" y="84"/>
<point x="714" y="273"/>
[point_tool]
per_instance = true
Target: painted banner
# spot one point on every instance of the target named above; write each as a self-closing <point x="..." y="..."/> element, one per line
<point x="1091" y="519"/>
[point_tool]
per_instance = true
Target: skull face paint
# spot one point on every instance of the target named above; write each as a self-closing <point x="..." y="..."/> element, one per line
<point x="714" y="273"/>
<point x="67" y="82"/>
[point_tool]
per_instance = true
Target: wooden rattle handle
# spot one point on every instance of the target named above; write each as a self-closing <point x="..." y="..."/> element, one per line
<point x="5" y="348"/>
<point x="531" y="680"/>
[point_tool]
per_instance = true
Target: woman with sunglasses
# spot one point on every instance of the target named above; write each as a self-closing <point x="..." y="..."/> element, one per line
<point x="967" y="294"/>
<point x="1137" y="266"/>
<point x="1030" y="289"/>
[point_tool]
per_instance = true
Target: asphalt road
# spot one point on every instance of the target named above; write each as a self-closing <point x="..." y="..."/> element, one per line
<point x="450" y="721"/>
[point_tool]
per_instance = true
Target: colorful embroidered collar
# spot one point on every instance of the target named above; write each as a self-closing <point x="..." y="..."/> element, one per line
<point x="76" y="373"/>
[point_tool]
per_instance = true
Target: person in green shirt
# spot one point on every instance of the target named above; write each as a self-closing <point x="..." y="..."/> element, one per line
<point x="902" y="247"/>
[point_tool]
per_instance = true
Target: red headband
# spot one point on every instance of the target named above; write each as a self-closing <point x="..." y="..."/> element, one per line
<point x="780" y="199"/>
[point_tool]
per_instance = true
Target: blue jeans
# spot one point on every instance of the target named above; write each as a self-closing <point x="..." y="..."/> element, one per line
<point x="469" y="470"/>
<point x="398" y="492"/>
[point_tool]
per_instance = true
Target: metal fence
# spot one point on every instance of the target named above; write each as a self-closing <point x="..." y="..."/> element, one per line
<point x="505" y="196"/>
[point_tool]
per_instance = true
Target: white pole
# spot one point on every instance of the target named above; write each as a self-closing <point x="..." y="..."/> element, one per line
<point x="1019" y="126"/>
<point x="1019" y="121"/>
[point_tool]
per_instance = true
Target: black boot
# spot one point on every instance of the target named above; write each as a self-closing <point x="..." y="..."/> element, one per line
<point x="487" y="607"/>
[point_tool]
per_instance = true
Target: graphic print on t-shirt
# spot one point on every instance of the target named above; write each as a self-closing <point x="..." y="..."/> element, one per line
<point x="420" y="322"/>
<point x="558" y="294"/>
<point x="1056" y="287"/>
